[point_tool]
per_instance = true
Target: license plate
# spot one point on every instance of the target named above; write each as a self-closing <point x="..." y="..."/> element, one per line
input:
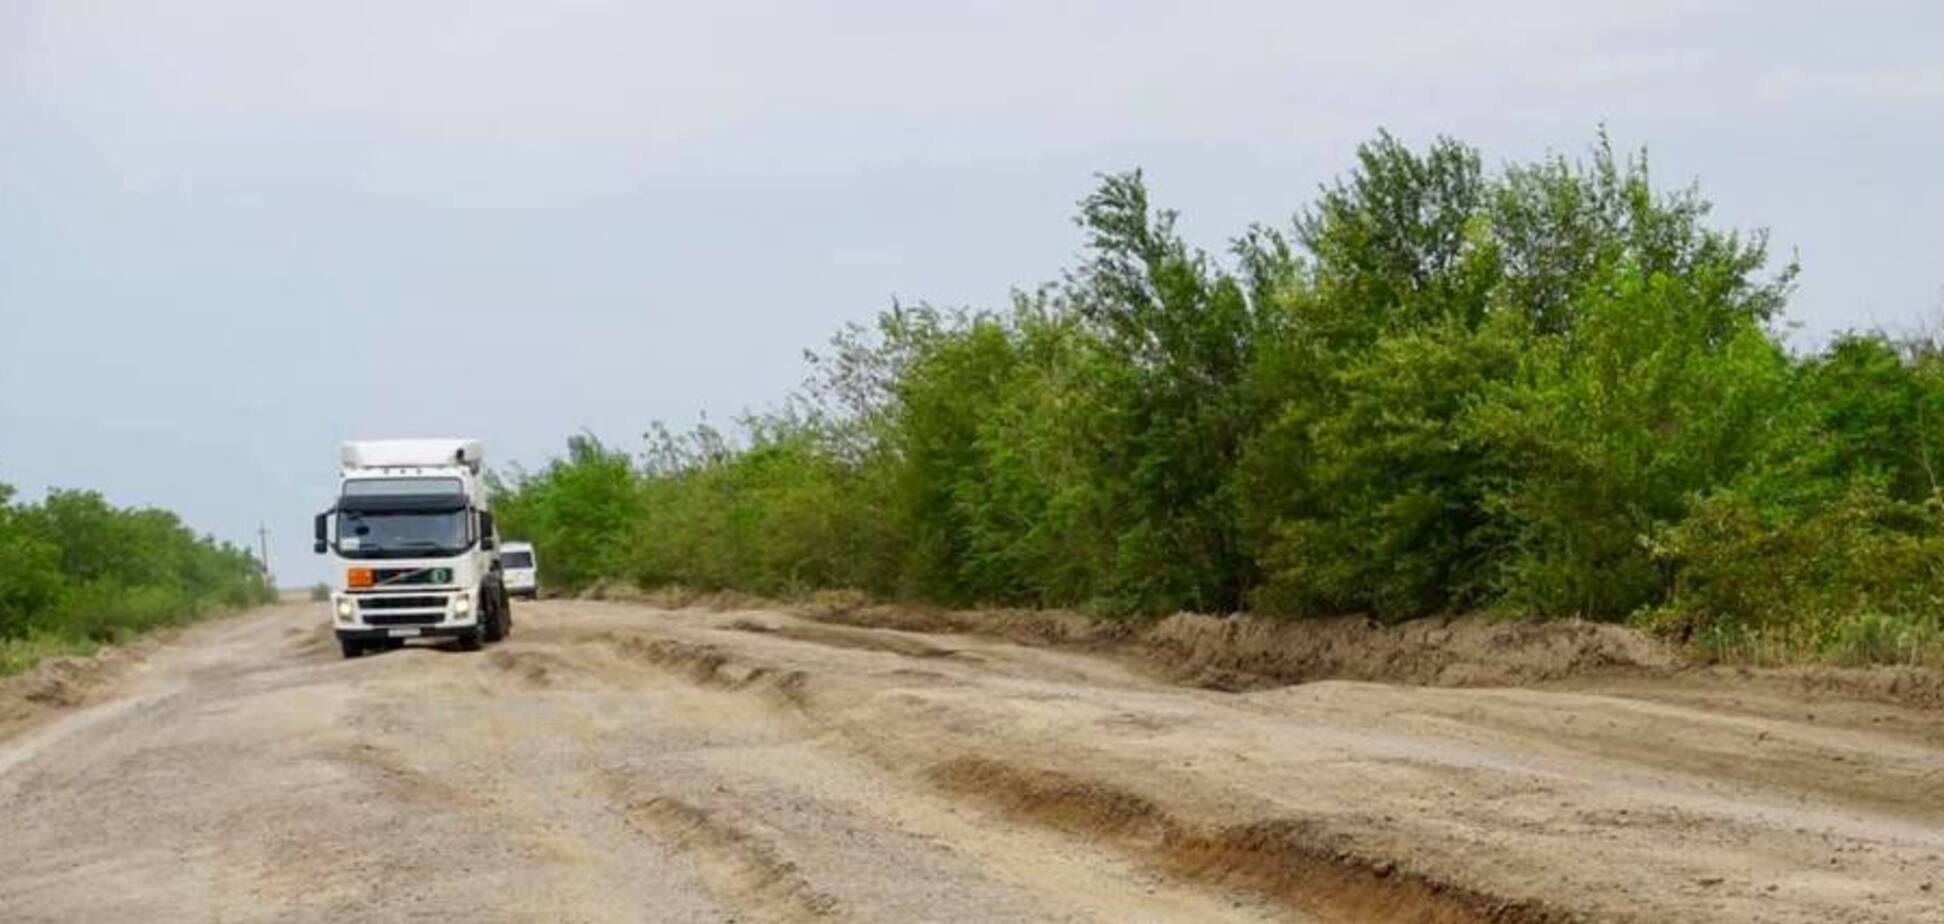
<point x="403" y="633"/>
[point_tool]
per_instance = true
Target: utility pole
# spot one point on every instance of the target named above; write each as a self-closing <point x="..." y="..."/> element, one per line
<point x="263" y="542"/>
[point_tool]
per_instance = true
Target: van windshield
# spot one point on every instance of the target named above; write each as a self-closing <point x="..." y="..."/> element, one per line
<point x="516" y="560"/>
<point x="371" y="534"/>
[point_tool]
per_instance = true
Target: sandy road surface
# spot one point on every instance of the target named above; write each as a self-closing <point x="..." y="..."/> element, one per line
<point x="621" y="763"/>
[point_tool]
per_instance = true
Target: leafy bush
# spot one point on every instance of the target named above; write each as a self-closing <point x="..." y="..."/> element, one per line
<point x="1551" y="389"/>
<point x="79" y="571"/>
<point x="1860" y="579"/>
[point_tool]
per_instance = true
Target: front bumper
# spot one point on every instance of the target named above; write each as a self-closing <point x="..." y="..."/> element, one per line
<point x="404" y="633"/>
<point x="374" y="615"/>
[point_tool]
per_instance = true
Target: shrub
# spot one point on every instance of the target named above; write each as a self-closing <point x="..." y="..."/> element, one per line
<point x="1861" y="579"/>
<point x="79" y="571"/>
<point x="1550" y="389"/>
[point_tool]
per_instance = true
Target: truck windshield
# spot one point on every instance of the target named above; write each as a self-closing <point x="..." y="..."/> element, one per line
<point x="371" y="534"/>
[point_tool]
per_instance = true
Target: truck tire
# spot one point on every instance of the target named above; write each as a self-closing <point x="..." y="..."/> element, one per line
<point x="470" y="641"/>
<point x="351" y="647"/>
<point x="493" y="622"/>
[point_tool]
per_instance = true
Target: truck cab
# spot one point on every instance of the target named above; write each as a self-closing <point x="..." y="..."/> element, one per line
<point x="519" y="570"/>
<point x="413" y="548"/>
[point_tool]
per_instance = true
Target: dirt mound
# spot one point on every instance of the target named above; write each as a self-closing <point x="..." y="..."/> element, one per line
<point x="63" y="681"/>
<point x="609" y="589"/>
<point x="57" y="684"/>
<point x="711" y="666"/>
<point x="1243" y="652"/>
<point x="1910" y="686"/>
<point x="1027" y="627"/>
<point x="848" y="637"/>
<point x="536" y="669"/>
<point x="1290" y="859"/>
<point x="1249" y="652"/>
<point x="671" y="597"/>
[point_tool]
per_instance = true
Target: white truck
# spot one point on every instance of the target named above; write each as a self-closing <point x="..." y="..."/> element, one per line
<point x="412" y="547"/>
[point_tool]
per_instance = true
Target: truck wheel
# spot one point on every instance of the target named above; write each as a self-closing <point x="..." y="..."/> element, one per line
<point x="492" y="623"/>
<point x="351" y="647"/>
<point x="470" y="641"/>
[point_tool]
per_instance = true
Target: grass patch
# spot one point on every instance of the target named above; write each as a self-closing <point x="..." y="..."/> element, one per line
<point x="19" y="655"/>
<point x="1849" y="640"/>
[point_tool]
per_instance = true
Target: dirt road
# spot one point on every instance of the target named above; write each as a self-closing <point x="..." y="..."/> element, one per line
<point x="615" y="762"/>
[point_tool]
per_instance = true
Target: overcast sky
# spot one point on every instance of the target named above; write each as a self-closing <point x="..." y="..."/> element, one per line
<point x="232" y="234"/>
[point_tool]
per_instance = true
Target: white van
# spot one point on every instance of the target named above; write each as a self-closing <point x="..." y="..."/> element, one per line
<point x="518" y="570"/>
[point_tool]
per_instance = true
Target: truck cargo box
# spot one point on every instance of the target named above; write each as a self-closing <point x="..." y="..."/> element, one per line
<point x="421" y="453"/>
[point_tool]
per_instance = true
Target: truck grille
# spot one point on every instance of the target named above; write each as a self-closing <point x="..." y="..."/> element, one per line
<point x="406" y="577"/>
<point x="404" y="619"/>
<point x="400" y="602"/>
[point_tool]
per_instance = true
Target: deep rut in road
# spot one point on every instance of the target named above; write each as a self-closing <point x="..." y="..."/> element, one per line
<point x="736" y="863"/>
<point x="1286" y="858"/>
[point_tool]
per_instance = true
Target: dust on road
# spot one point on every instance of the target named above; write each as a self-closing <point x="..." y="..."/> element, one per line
<point x="618" y="762"/>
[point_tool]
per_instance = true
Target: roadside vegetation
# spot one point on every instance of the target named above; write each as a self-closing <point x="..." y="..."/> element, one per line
<point x="76" y="572"/>
<point x="1549" y="389"/>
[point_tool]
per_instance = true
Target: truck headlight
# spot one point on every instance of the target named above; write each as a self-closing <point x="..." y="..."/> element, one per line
<point x="344" y="609"/>
<point x="462" y="604"/>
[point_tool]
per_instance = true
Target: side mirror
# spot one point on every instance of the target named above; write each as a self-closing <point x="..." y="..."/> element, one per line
<point x="487" y="540"/>
<point x="318" y="533"/>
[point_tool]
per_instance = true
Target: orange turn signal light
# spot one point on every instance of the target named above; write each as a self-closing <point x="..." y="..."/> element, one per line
<point x="358" y="577"/>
